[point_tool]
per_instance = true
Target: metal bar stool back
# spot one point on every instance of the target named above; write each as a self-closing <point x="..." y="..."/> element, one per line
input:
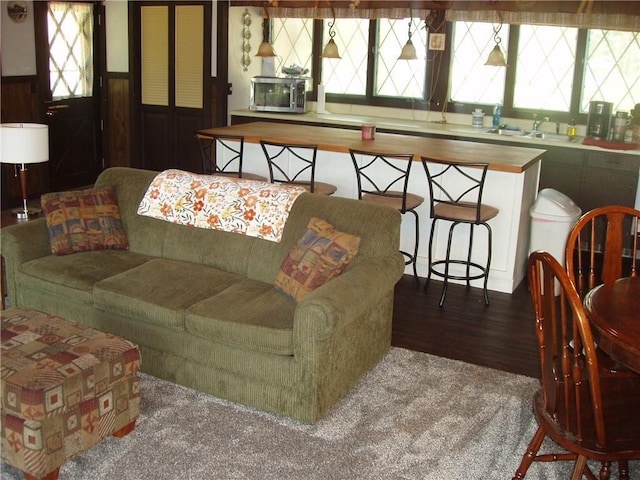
<point x="455" y="190"/>
<point x="384" y="178"/>
<point x="296" y="165"/>
<point x="223" y="155"/>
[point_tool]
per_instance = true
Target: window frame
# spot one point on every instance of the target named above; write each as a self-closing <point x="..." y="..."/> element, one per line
<point x="440" y="92"/>
<point x="369" y="98"/>
<point x="508" y="109"/>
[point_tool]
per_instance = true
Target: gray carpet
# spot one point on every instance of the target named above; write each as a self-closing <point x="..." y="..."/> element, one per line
<point x="415" y="416"/>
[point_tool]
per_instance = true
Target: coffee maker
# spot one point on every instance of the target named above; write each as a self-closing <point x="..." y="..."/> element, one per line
<point x="599" y="120"/>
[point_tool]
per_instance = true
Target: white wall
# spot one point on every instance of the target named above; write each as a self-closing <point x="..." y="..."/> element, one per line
<point x="240" y="79"/>
<point x="18" y="43"/>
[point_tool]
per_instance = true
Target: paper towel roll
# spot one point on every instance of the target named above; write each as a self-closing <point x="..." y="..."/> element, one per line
<point x="320" y="104"/>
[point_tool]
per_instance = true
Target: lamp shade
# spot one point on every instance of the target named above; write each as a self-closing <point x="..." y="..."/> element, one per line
<point x="331" y="50"/>
<point x="265" y="50"/>
<point x="496" y="57"/>
<point x="408" y="52"/>
<point x="23" y="143"/>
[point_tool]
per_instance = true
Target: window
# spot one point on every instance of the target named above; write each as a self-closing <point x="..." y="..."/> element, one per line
<point x="471" y="80"/>
<point x="70" y="30"/>
<point x="544" y="73"/>
<point x="612" y="69"/>
<point x="347" y="75"/>
<point x="545" y="80"/>
<point x="293" y="40"/>
<point x="400" y="78"/>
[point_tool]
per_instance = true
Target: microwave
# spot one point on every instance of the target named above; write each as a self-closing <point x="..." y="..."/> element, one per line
<point x="279" y="94"/>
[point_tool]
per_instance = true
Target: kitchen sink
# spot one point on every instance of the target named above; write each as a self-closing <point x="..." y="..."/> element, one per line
<point x="550" y="136"/>
<point x="506" y="132"/>
<point x="533" y="134"/>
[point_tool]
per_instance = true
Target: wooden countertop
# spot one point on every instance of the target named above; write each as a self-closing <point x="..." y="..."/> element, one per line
<point x="500" y="158"/>
<point x="433" y="128"/>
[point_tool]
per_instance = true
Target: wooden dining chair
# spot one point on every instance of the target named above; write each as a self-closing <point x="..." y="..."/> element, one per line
<point x="296" y="165"/>
<point x="223" y="155"/>
<point x="587" y="415"/>
<point x="383" y="178"/>
<point x="603" y="246"/>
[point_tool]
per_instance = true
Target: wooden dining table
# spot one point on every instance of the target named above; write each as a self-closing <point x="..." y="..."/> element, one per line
<point x="614" y="313"/>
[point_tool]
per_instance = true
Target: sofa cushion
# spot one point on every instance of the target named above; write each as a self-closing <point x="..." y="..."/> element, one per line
<point x="74" y="276"/>
<point x="249" y="313"/>
<point x="84" y="220"/>
<point x="159" y="291"/>
<point x="322" y="253"/>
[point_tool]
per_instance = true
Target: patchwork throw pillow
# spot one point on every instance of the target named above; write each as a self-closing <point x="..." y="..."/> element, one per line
<point x="84" y="220"/>
<point x="321" y="254"/>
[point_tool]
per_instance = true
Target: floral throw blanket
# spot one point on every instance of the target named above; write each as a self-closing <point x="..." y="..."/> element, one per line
<point x="247" y="207"/>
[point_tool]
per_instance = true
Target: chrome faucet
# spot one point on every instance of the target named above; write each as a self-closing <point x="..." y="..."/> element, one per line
<point x="537" y="123"/>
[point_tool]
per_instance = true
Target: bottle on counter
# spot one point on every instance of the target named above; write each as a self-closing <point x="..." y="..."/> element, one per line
<point x="497" y="113"/>
<point x="477" y="118"/>
<point x="620" y="126"/>
<point x="572" y="130"/>
<point x="635" y="135"/>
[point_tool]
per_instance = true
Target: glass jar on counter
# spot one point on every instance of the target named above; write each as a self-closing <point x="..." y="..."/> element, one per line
<point x="477" y="118"/>
<point x="620" y="126"/>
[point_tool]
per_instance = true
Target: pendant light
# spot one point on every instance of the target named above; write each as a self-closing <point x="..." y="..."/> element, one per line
<point x="408" y="51"/>
<point x="496" y="57"/>
<point x="265" y="49"/>
<point x="331" y="49"/>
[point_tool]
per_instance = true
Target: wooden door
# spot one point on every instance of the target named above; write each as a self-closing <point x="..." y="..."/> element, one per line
<point x="172" y="65"/>
<point x="68" y="64"/>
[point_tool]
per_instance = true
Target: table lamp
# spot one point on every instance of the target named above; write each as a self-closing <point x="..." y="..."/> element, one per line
<point x="23" y="143"/>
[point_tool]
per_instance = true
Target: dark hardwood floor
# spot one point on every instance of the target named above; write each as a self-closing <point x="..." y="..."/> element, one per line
<point x="500" y="335"/>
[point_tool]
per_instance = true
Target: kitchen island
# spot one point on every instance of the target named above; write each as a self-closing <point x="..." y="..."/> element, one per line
<point x="511" y="184"/>
<point x="592" y="176"/>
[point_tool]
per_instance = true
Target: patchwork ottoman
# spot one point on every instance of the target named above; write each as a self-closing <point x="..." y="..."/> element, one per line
<point x="65" y="386"/>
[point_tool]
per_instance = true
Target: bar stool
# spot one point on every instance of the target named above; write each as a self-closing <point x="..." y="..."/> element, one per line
<point x="383" y="178"/>
<point x="459" y="188"/>
<point x="232" y="147"/>
<point x="300" y="160"/>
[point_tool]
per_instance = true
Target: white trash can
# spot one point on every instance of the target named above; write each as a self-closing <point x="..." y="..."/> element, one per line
<point x="553" y="215"/>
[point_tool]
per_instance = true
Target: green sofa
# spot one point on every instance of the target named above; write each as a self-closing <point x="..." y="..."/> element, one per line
<point x="201" y="305"/>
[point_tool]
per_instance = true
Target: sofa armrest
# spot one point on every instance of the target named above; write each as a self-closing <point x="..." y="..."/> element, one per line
<point x="346" y="298"/>
<point x="21" y="243"/>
